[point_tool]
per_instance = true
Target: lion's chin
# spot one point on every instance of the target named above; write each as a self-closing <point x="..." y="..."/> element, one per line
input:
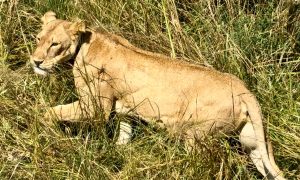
<point x="40" y="71"/>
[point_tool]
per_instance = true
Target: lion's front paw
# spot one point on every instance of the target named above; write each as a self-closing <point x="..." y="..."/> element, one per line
<point x="125" y="134"/>
<point x="49" y="116"/>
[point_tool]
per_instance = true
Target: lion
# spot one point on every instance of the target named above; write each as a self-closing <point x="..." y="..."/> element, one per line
<point x="189" y="100"/>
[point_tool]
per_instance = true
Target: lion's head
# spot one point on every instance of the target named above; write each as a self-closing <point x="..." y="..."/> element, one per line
<point x="56" y="43"/>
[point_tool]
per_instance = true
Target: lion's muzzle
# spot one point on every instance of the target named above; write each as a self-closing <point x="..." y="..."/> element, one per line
<point x="36" y="66"/>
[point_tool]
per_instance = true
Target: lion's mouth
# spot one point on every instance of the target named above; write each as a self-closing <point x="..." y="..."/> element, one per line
<point x="40" y="71"/>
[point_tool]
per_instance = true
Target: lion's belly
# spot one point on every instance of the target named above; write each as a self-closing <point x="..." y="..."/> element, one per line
<point x="196" y="99"/>
<point x="182" y="110"/>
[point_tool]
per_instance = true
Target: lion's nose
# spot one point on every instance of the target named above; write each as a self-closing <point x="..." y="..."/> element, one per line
<point x="37" y="63"/>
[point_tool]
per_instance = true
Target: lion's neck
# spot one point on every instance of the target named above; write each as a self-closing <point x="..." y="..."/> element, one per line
<point x="84" y="38"/>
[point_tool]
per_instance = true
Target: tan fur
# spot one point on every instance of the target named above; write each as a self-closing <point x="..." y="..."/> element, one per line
<point x="112" y="74"/>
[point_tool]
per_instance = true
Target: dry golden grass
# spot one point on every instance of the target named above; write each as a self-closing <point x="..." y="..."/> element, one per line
<point x="259" y="45"/>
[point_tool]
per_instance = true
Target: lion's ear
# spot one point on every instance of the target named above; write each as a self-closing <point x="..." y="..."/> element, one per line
<point x="77" y="27"/>
<point x="48" y="17"/>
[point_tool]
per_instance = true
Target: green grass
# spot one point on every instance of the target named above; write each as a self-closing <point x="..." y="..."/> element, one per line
<point x="257" y="47"/>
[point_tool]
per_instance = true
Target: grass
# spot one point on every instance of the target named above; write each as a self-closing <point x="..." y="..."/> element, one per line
<point x="252" y="43"/>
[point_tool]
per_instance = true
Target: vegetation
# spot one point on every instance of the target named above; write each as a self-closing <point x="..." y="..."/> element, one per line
<point x="256" y="42"/>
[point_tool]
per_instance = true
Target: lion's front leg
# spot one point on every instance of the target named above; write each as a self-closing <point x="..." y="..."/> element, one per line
<point x="80" y="110"/>
<point x="67" y="112"/>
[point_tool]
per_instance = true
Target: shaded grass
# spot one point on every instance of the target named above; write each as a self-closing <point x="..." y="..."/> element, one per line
<point x="254" y="46"/>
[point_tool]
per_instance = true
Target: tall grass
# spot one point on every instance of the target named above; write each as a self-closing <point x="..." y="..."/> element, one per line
<point x="250" y="41"/>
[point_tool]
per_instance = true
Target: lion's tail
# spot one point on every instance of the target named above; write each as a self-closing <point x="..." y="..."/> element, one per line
<point x="271" y="155"/>
<point x="257" y="123"/>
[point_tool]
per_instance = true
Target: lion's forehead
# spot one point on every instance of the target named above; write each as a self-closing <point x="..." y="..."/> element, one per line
<point x="53" y="29"/>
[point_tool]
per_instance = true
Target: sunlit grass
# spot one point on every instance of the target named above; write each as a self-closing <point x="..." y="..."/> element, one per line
<point x="255" y="46"/>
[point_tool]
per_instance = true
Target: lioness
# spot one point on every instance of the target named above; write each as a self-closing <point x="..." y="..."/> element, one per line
<point x="190" y="100"/>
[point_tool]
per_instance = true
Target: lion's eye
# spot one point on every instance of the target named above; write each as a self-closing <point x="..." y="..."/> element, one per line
<point x="54" y="44"/>
<point x="38" y="39"/>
